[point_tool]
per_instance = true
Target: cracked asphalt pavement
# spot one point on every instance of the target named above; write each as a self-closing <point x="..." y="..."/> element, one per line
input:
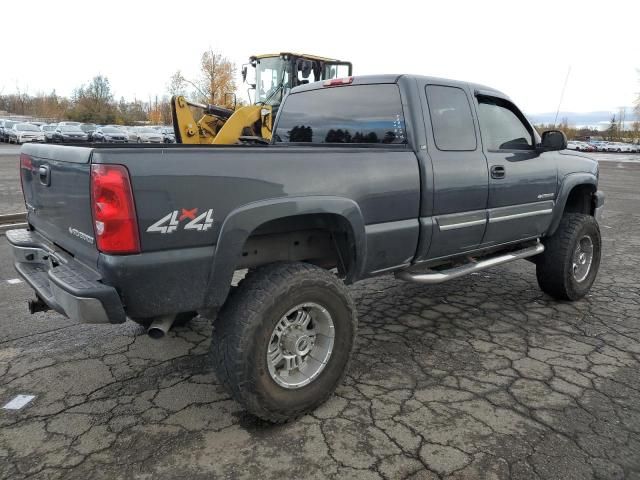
<point x="482" y="377"/>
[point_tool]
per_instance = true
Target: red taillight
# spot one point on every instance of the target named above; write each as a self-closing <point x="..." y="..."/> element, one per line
<point x="338" y="81"/>
<point x="114" y="213"/>
<point x="26" y="165"/>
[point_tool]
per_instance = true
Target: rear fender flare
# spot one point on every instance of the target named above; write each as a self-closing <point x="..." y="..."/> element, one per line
<point x="241" y="222"/>
<point x="568" y="183"/>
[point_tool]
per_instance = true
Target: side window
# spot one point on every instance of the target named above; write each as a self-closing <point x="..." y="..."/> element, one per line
<point x="451" y="118"/>
<point x="501" y="126"/>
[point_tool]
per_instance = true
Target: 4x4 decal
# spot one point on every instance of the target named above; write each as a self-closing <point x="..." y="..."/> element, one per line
<point x="171" y="221"/>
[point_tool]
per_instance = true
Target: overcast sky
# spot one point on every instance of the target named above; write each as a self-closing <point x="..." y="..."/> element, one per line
<point x="522" y="48"/>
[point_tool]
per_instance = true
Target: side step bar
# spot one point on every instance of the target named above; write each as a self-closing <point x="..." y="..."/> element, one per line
<point x="433" y="277"/>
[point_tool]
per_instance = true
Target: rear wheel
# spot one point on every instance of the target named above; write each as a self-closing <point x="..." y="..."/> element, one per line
<point x="569" y="265"/>
<point x="283" y="340"/>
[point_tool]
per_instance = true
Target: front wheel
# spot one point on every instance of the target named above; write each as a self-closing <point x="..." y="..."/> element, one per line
<point x="569" y="265"/>
<point x="283" y="339"/>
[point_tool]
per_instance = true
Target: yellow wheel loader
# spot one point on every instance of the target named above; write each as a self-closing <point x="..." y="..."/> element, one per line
<point x="275" y="75"/>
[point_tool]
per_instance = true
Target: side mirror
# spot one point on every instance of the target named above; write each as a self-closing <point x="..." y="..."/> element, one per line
<point x="553" y="140"/>
<point x="244" y="73"/>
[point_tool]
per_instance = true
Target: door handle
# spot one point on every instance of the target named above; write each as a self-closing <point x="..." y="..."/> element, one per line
<point x="498" y="171"/>
<point x="44" y="172"/>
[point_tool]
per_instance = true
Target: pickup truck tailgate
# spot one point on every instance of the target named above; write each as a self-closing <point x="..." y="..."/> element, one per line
<point x="56" y="185"/>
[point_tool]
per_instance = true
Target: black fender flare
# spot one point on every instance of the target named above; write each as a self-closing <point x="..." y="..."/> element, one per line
<point x="569" y="182"/>
<point x="241" y="222"/>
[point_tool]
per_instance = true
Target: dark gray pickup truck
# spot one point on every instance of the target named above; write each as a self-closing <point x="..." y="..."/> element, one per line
<point x="427" y="178"/>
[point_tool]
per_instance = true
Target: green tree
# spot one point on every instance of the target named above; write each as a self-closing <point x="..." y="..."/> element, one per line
<point x="94" y="102"/>
<point x="177" y="84"/>
<point x="612" y="131"/>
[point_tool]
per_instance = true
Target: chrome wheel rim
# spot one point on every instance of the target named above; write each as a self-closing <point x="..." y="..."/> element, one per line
<point x="582" y="258"/>
<point x="300" y="345"/>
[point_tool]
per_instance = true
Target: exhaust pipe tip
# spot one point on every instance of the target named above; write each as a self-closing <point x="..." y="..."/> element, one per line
<point x="156" y="333"/>
<point x="160" y="326"/>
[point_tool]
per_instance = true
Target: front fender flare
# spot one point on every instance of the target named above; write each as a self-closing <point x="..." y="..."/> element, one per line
<point x="568" y="183"/>
<point x="239" y="224"/>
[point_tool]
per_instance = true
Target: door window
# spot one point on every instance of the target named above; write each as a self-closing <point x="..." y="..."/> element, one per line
<point x="501" y="126"/>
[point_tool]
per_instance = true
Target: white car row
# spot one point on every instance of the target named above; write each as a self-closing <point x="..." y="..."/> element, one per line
<point x="601" y="146"/>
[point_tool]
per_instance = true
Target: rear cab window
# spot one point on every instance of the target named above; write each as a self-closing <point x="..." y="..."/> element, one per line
<point x="451" y="120"/>
<point x="354" y="114"/>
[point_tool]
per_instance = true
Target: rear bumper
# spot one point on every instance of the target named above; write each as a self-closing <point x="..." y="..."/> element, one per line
<point x="63" y="283"/>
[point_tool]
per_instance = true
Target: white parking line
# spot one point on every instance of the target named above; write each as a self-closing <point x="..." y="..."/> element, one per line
<point x="19" y="401"/>
<point x="13" y="281"/>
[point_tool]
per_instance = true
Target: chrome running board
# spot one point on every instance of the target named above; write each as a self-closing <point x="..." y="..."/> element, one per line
<point x="432" y="276"/>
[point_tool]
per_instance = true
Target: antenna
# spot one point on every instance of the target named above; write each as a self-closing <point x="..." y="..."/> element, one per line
<point x="566" y="79"/>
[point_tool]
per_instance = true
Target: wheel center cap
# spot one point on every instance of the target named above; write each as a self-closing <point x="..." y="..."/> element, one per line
<point x="297" y="342"/>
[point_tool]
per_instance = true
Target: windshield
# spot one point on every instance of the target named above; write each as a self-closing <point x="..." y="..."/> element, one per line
<point x="111" y="130"/>
<point x="27" y="127"/>
<point x="71" y="128"/>
<point x="48" y="128"/>
<point x="147" y="130"/>
<point x="271" y="73"/>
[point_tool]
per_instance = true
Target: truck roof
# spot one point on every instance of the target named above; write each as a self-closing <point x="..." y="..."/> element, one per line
<point x="393" y="78"/>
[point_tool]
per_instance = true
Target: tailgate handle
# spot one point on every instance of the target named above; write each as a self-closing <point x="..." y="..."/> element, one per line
<point x="44" y="172"/>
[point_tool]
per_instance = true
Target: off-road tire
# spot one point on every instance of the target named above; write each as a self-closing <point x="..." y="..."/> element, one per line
<point x="244" y="326"/>
<point x="554" y="266"/>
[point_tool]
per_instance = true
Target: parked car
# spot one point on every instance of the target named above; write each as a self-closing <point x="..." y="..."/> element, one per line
<point x="4" y="132"/>
<point x="157" y="234"/>
<point x="2" y="120"/>
<point x="69" y="134"/>
<point x="168" y="135"/>
<point x="148" y="135"/>
<point x="619" y="147"/>
<point x="573" y="145"/>
<point x="25" y="132"/>
<point x="48" y="131"/>
<point x="586" y="147"/>
<point x="88" y="128"/>
<point x="132" y="136"/>
<point x="599" y="145"/>
<point x="110" y="135"/>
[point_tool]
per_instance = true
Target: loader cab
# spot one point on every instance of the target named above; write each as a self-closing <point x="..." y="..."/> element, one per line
<point x="276" y="74"/>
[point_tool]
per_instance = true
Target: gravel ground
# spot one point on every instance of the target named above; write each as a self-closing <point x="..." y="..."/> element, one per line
<point x="483" y="377"/>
